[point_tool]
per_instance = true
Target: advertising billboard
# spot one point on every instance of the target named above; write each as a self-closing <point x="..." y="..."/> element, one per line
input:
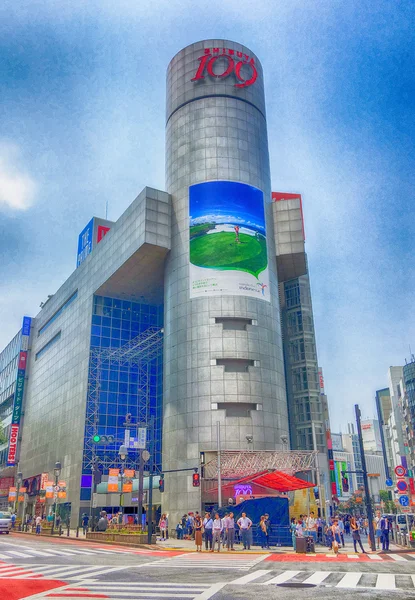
<point x="227" y="240"/>
<point x="19" y="391"/>
<point x="85" y="243"/>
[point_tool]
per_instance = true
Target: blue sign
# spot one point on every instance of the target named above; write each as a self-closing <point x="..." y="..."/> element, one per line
<point x="404" y="501"/>
<point x="389" y="483"/>
<point x="27" y="321"/>
<point x="85" y="242"/>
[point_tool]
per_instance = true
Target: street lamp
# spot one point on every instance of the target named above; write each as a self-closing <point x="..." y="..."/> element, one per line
<point x="123" y="453"/>
<point x="57" y="472"/>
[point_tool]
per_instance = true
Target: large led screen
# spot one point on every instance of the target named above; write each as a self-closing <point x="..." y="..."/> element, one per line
<point x="228" y="246"/>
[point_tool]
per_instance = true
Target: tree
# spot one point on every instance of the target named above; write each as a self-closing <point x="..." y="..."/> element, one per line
<point x="385" y="497"/>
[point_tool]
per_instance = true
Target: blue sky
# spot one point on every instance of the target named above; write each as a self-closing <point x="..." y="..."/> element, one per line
<point x="83" y="92"/>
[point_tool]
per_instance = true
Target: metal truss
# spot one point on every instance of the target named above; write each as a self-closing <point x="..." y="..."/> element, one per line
<point x="236" y="464"/>
<point x="142" y="352"/>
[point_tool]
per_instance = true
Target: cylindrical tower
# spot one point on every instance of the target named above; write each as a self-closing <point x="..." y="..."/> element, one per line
<point x="223" y="358"/>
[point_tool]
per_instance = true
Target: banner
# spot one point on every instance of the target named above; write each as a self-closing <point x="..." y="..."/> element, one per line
<point x="227" y="240"/>
<point x="62" y="494"/>
<point x="49" y="489"/>
<point x="113" y="480"/>
<point x="127" y="487"/>
<point x="12" y="494"/>
<point x="129" y="473"/>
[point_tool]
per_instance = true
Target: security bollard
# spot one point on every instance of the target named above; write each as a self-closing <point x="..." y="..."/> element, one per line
<point x="60" y="529"/>
<point x="77" y="532"/>
<point x="52" y="531"/>
<point x="68" y="531"/>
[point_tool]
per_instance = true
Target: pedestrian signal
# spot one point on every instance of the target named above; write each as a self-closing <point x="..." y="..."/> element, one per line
<point x="196" y="480"/>
<point x="345" y="484"/>
<point x="161" y="483"/>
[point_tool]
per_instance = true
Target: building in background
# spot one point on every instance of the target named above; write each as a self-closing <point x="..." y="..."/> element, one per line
<point x="408" y="405"/>
<point x="371" y="436"/>
<point x="384" y="409"/>
<point x="395" y="433"/>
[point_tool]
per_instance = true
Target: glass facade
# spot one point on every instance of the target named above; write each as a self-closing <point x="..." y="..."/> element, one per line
<point x="122" y="389"/>
<point x="305" y="403"/>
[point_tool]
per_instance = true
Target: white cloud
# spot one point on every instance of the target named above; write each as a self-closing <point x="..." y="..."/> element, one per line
<point x="17" y="187"/>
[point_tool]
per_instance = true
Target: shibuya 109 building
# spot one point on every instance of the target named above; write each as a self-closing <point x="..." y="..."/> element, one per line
<point x="168" y="334"/>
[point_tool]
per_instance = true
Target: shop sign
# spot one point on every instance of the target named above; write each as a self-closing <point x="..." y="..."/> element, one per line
<point x="242" y="65"/>
<point x="14" y="434"/>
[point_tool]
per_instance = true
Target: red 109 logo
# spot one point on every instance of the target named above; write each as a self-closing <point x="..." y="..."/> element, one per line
<point x="242" y="65"/>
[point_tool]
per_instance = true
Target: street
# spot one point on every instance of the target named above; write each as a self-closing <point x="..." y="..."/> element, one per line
<point x="35" y="568"/>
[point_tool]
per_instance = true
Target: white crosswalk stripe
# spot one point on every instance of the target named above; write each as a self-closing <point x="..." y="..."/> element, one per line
<point x="209" y="561"/>
<point x="29" y="552"/>
<point x="64" y="572"/>
<point x="131" y="591"/>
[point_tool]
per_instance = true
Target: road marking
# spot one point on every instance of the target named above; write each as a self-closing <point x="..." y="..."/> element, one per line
<point x="214" y="589"/>
<point x="19" y="554"/>
<point x="385" y="581"/>
<point x="282" y="578"/>
<point x="374" y="557"/>
<point x="352" y="556"/>
<point x="249" y="577"/>
<point x="397" y="557"/>
<point x="349" y="580"/>
<point x="317" y="577"/>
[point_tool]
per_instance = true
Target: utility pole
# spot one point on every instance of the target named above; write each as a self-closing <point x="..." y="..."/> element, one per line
<point x="150" y="484"/>
<point x="365" y="479"/>
<point x="318" y="480"/>
<point x="140" y="488"/>
<point x="219" y="466"/>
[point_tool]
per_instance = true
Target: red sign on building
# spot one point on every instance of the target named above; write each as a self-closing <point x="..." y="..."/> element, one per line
<point x="242" y="65"/>
<point x="14" y="434"/>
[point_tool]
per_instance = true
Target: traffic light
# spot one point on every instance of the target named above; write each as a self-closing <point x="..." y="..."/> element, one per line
<point x="196" y="480"/>
<point x="103" y="440"/>
<point x="345" y="484"/>
<point x="161" y="483"/>
<point x="316" y="493"/>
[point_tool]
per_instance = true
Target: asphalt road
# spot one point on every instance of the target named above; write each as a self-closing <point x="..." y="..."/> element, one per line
<point x="37" y="568"/>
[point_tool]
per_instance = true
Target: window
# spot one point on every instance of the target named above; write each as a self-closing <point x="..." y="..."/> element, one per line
<point x="48" y="345"/>
<point x="235" y="365"/>
<point x="292" y="294"/>
<point x="233" y="323"/>
<point x="60" y="310"/>
<point x="237" y="409"/>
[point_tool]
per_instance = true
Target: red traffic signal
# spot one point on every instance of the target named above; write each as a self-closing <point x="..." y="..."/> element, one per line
<point x="196" y="480"/>
<point x="161" y="483"/>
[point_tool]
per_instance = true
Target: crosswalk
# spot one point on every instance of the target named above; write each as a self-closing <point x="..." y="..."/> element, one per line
<point x="210" y="561"/>
<point x="133" y="591"/>
<point x="334" y="579"/>
<point x="31" y="552"/>
<point x="68" y="572"/>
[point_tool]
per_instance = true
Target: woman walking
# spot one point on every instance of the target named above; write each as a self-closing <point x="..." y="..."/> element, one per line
<point x="356" y="535"/>
<point x="263" y="532"/>
<point x="336" y="536"/>
<point x="163" y="527"/>
<point x="198" y="524"/>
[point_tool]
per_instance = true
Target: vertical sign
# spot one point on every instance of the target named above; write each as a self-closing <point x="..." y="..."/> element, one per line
<point x="85" y="243"/>
<point x="18" y="394"/>
<point x="141" y="437"/>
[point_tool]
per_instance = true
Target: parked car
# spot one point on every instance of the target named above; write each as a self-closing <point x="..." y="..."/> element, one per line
<point x="5" y="522"/>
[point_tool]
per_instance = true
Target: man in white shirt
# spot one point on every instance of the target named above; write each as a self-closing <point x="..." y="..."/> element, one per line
<point x="245" y="525"/>
<point x="230" y="531"/>
<point x="208" y="527"/>
<point x="217" y="530"/>
<point x="311" y="526"/>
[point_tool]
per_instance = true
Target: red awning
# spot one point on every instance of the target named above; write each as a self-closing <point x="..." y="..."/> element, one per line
<point x="276" y="480"/>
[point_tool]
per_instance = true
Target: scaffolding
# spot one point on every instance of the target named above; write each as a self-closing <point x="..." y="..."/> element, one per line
<point x="236" y="464"/>
<point x="142" y="352"/>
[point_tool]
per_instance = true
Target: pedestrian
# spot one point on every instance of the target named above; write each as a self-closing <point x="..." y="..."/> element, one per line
<point x="336" y="536"/>
<point x="377" y="527"/>
<point x="245" y="525"/>
<point x="217" y="531"/>
<point x="328" y="536"/>
<point x="263" y="532"/>
<point x="268" y="524"/>
<point x="319" y="531"/>
<point x="341" y="530"/>
<point x="354" y="526"/>
<point x="84" y="522"/>
<point x="293" y="527"/>
<point x="224" y="529"/>
<point x="230" y="531"/>
<point x="102" y="522"/>
<point x="179" y="531"/>
<point x="208" y="527"/>
<point x="347" y="525"/>
<point x="163" y="527"/>
<point x="13" y="519"/>
<point x="299" y="530"/>
<point x="311" y="526"/>
<point x="58" y="521"/>
<point x="384" y="526"/>
<point x="198" y="532"/>
<point x="38" y="524"/>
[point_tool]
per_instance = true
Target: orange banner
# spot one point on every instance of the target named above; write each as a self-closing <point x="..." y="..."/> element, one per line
<point x="113" y="480"/>
<point x="127" y="487"/>
<point x="12" y="494"/>
<point x="129" y="473"/>
<point x="20" y="498"/>
<point x="61" y="494"/>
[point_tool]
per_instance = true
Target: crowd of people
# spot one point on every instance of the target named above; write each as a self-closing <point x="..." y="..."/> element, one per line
<point x="331" y="532"/>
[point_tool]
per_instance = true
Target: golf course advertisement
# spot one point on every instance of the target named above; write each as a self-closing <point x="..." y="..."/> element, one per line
<point x="228" y="246"/>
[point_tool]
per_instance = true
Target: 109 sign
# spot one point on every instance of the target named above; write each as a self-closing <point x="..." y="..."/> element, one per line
<point x="234" y="62"/>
